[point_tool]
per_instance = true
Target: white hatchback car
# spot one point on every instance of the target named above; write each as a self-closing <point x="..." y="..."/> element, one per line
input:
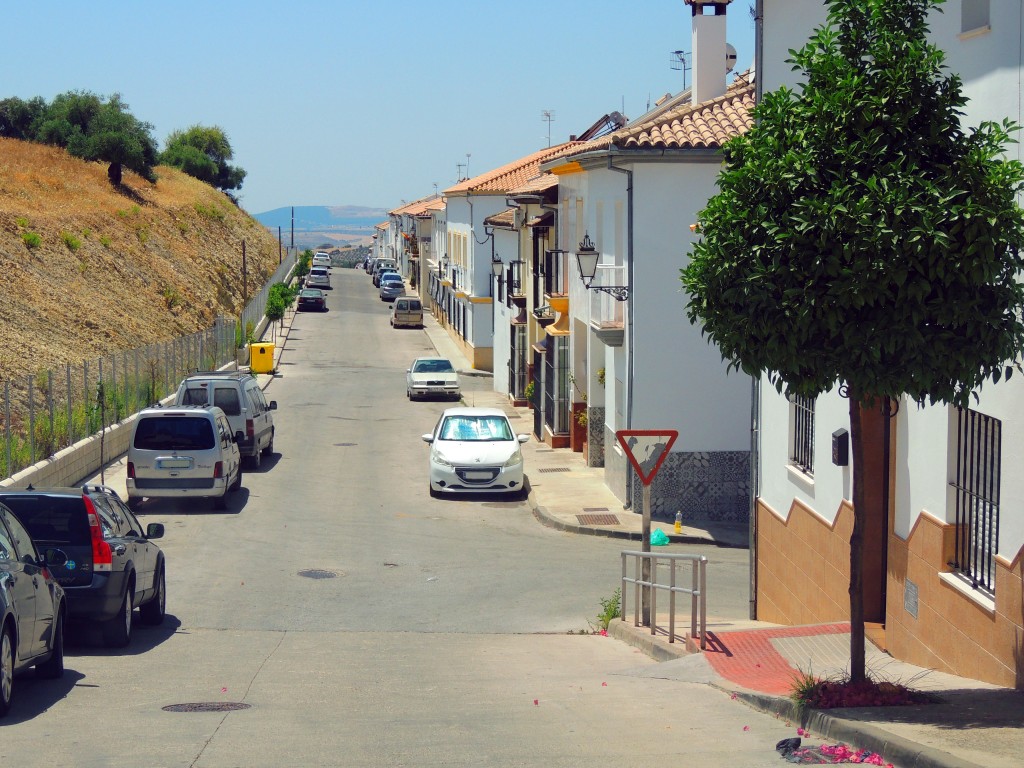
<point x="475" y="450"/>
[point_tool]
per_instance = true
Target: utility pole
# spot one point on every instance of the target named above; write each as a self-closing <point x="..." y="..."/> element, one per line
<point x="293" y="227"/>
<point x="279" y="246"/>
<point x="245" y="278"/>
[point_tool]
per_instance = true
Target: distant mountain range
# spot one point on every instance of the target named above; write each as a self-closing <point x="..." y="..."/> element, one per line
<point x="317" y="225"/>
<point x="323" y="217"/>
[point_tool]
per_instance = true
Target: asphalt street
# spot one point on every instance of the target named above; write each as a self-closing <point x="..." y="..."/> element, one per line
<point x="361" y="623"/>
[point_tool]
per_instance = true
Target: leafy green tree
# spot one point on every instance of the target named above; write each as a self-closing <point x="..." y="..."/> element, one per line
<point x="97" y="130"/>
<point x="861" y="237"/>
<point x="204" y="152"/>
<point x="18" y="117"/>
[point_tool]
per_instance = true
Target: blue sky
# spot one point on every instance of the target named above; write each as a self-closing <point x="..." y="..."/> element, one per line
<point x="359" y="103"/>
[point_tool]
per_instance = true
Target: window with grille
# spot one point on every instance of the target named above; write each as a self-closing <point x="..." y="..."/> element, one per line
<point x="801" y="433"/>
<point x="976" y="489"/>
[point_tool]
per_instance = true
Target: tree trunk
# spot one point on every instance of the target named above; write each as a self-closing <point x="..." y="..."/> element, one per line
<point x="857" y="672"/>
<point x="114" y="174"/>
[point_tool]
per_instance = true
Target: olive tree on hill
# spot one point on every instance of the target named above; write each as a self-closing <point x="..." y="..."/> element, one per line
<point x="863" y="238"/>
<point x="204" y="152"/>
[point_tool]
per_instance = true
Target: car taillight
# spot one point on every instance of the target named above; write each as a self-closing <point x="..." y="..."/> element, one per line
<point x="131" y="469"/>
<point x="250" y="430"/>
<point x="218" y="469"/>
<point x="101" y="555"/>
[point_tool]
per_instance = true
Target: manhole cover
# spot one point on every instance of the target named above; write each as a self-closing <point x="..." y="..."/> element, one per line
<point x="345" y="445"/>
<point x="597" y="519"/>
<point x="554" y="469"/>
<point x="207" y="706"/>
<point x="317" y="573"/>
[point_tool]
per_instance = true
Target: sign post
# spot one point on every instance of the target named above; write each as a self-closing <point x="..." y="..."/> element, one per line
<point x="646" y="450"/>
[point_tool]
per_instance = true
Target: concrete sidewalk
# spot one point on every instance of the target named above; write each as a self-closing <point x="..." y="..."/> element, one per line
<point x="973" y="724"/>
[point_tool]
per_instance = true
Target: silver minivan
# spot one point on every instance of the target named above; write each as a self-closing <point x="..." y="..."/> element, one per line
<point x="183" y="452"/>
<point x="239" y="395"/>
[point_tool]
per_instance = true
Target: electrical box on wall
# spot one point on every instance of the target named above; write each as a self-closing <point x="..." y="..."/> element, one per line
<point x="841" y="448"/>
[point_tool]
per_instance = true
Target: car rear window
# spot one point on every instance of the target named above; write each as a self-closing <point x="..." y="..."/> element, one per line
<point x="52" y="520"/>
<point x="174" y="433"/>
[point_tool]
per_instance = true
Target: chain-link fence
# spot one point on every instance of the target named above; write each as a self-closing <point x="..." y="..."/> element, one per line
<point x="51" y="410"/>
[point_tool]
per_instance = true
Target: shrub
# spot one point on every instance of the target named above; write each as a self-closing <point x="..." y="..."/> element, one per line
<point x="104" y="241"/>
<point x="72" y="242"/>
<point x="31" y="239"/>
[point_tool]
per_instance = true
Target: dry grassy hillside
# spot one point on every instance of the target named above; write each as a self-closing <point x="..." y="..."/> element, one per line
<point x="113" y="269"/>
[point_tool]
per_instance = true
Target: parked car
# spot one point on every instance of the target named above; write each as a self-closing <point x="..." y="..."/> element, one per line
<point x="183" y="452"/>
<point x="238" y="394"/>
<point x="33" y="607"/>
<point x="431" y="376"/>
<point x="312" y="300"/>
<point x="112" y="564"/>
<point x="321" y="259"/>
<point x="391" y="288"/>
<point x="406" y="311"/>
<point x="379" y="265"/>
<point x="318" y="277"/>
<point x="380" y="273"/>
<point x="474" y="450"/>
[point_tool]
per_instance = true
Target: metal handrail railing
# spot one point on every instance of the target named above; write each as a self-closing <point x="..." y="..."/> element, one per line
<point x="697" y="591"/>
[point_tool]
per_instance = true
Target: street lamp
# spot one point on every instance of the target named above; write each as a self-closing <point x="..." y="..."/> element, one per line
<point x="497" y="265"/>
<point x="586" y="261"/>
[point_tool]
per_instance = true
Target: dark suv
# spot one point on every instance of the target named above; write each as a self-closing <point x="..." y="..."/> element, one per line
<point x="112" y="567"/>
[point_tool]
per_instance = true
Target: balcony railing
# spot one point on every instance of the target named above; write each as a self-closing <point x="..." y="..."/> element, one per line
<point x="556" y="274"/>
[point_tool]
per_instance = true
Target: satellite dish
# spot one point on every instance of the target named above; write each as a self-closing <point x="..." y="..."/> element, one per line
<point x="730" y="58"/>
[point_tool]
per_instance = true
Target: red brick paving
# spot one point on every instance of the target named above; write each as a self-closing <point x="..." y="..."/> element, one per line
<point x="749" y="659"/>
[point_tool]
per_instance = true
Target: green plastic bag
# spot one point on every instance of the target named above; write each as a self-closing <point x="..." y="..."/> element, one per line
<point x="658" y="538"/>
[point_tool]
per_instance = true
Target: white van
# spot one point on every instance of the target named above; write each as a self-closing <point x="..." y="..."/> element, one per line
<point x="407" y="311"/>
<point x="185" y="452"/>
<point x="239" y="395"/>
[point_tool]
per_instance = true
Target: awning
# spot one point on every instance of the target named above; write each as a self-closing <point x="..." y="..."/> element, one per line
<point x="546" y="219"/>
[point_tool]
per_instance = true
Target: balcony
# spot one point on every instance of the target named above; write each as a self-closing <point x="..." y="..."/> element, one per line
<point x="607" y="316"/>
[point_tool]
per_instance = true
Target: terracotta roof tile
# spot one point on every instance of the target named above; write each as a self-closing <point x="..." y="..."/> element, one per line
<point x="541" y="183"/>
<point x="702" y="126"/>
<point x="506" y="219"/>
<point x="383" y="225"/>
<point x="416" y="206"/>
<point x="509" y="176"/>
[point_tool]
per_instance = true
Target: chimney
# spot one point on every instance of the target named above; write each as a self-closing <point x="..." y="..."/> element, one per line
<point x="708" y="49"/>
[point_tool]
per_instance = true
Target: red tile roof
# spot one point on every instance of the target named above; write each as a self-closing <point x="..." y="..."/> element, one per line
<point x="509" y="176"/>
<point x="702" y="126"/>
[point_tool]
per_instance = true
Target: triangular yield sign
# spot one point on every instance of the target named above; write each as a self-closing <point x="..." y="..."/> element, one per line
<point x="646" y="449"/>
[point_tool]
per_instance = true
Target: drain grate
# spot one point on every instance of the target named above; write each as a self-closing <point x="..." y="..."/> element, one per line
<point x="344" y="445"/>
<point x="598" y="519"/>
<point x="595" y="509"/>
<point x="317" y="573"/>
<point x="207" y="706"/>
<point x="554" y="469"/>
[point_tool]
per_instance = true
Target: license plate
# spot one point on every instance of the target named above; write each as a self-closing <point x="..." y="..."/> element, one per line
<point x="478" y="475"/>
<point x="173" y="463"/>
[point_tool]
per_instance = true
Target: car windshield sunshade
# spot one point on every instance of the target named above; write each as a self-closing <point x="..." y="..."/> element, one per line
<point x="470" y="428"/>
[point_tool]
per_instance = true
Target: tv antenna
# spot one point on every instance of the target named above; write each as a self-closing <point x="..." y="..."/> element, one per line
<point x="547" y="116"/>
<point x="458" y="172"/>
<point x="468" y="155"/>
<point x="678" y="60"/>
